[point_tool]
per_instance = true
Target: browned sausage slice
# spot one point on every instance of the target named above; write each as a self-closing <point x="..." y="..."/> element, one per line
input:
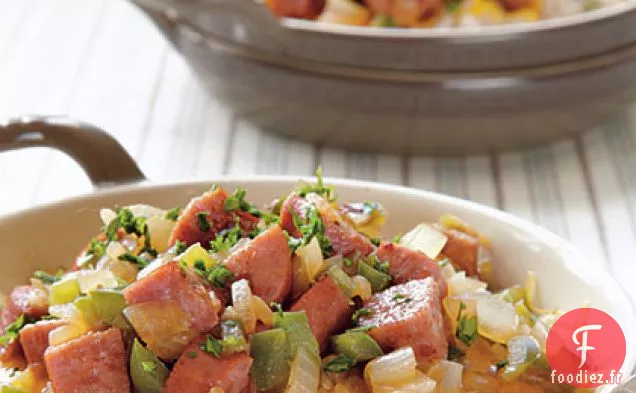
<point x="197" y="372"/>
<point x="305" y="9"/>
<point x="406" y="264"/>
<point x="35" y="339"/>
<point x="266" y="263"/>
<point x="409" y="314"/>
<point x="345" y="240"/>
<point x="462" y="249"/>
<point x="95" y="363"/>
<point x="327" y="308"/>
<point x="212" y="205"/>
<point x="170" y="282"/>
<point x="27" y="300"/>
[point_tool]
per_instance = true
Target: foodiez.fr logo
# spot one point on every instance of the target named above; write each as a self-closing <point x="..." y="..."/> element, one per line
<point x="586" y="348"/>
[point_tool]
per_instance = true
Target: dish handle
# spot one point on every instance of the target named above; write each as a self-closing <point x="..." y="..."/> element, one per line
<point x="102" y="157"/>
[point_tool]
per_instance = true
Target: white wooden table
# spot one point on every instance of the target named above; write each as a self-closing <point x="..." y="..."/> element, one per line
<point x="103" y="62"/>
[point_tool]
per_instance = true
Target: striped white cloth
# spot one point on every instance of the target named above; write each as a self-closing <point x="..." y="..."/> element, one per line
<point x="103" y="62"/>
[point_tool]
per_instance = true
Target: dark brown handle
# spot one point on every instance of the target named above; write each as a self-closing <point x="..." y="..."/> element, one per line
<point x="103" y="159"/>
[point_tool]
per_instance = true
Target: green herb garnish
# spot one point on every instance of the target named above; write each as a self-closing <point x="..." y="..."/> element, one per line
<point x="311" y="227"/>
<point x="455" y="354"/>
<point x="361" y="312"/>
<point x="212" y="346"/>
<point x="379" y="265"/>
<point x="202" y="221"/>
<point x="48" y="278"/>
<point x="397" y="238"/>
<point x="278" y="308"/>
<point x="179" y="247"/>
<point x="226" y="239"/>
<point x="400" y="298"/>
<point x="12" y="330"/>
<point x="173" y="214"/>
<point x="347" y="261"/>
<point x="501" y="364"/>
<point x="467" y="329"/>
<point x="319" y="188"/>
<point x="137" y="260"/>
<point x="340" y="364"/>
<point x="220" y="276"/>
<point x="96" y="248"/>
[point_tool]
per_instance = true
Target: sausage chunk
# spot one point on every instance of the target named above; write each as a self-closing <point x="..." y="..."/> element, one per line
<point x="95" y="363"/>
<point x="35" y="339"/>
<point x="328" y="309"/>
<point x="345" y="240"/>
<point x="169" y="282"/>
<point x="462" y="249"/>
<point x="209" y="207"/>
<point x="404" y="13"/>
<point x="27" y="300"/>
<point x="266" y="263"/>
<point x="197" y="371"/>
<point x="406" y="265"/>
<point x="305" y="9"/>
<point x="408" y="314"/>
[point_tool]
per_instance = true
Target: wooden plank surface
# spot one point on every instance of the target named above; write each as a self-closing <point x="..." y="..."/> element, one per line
<point x="103" y="62"/>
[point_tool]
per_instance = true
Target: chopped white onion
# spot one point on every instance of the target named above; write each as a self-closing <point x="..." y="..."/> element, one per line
<point x="361" y="287"/>
<point x="141" y="210"/>
<point x="311" y="260"/>
<point x="66" y="333"/>
<point x="107" y="215"/>
<point x="448" y="376"/>
<point x="459" y="283"/>
<point x="305" y="373"/>
<point x="159" y="229"/>
<point x="395" y="368"/>
<point x="498" y="319"/>
<point x="426" y="239"/>
<point x="243" y="305"/>
<point x="114" y="250"/>
<point x="419" y="384"/>
<point x="96" y="279"/>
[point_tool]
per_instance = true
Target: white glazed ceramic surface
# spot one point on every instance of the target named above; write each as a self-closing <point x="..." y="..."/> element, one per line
<point x="51" y="236"/>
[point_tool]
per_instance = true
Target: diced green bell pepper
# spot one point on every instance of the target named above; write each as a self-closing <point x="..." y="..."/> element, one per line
<point x="356" y="345"/>
<point x="299" y="333"/>
<point x="86" y="306"/>
<point x="378" y="280"/>
<point x="270" y="352"/>
<point x="64" y="291"/>
<point x="109" y="306"/>
<point x="342" y="279"/>
<point x="147" y="372"/>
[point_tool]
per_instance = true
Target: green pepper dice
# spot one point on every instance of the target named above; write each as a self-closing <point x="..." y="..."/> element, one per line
<point x="356" y="345"/>
<point x="379" y="281"/>
<point x="147" y="372"/>
<point x="296" y="325"/>
<point x="109" y="306"/>
<point x="270" y="352"/>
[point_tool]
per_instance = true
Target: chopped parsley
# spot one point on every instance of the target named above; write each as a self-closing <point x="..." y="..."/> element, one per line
<point x="237" y="202"/>
<point x="319" y="188"/>
<point x="397" y="238"/>
<point x="212" y="346"/>
<point x="202" y="221"/>
<point x="361" y="312"/>
<point x="340" y="364"/>
<point x="137" y="260"/>
<point x="12" y="330"/>
<point x="127" y="221"/>
<point x="191" y="355"/>
<point x="226" y="239"/>
<point x="452" y="5"/>
<point x="444" y="262"/>
<point x="379" y="265"/>
<point x="455" y="354"/>
<point x="149" y="367"/>
<point x="347" y="261"/>
<point x="376" y="241"/>
<point x="173" y="214"/>
<point x="220" y="276"/>
<point x="400" y="298"/>
<point x="467" y="329"/>
<point x="311" y="227"/>
<point x="48" y="278"/>
<point x="501" y="364"/>
<point x="179" y="247"/>
<point x="96" y="248"/>
<point x="278" y="308"/>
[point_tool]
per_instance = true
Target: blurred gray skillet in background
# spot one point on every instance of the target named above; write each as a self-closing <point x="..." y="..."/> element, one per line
<point x="433" y="91"/>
